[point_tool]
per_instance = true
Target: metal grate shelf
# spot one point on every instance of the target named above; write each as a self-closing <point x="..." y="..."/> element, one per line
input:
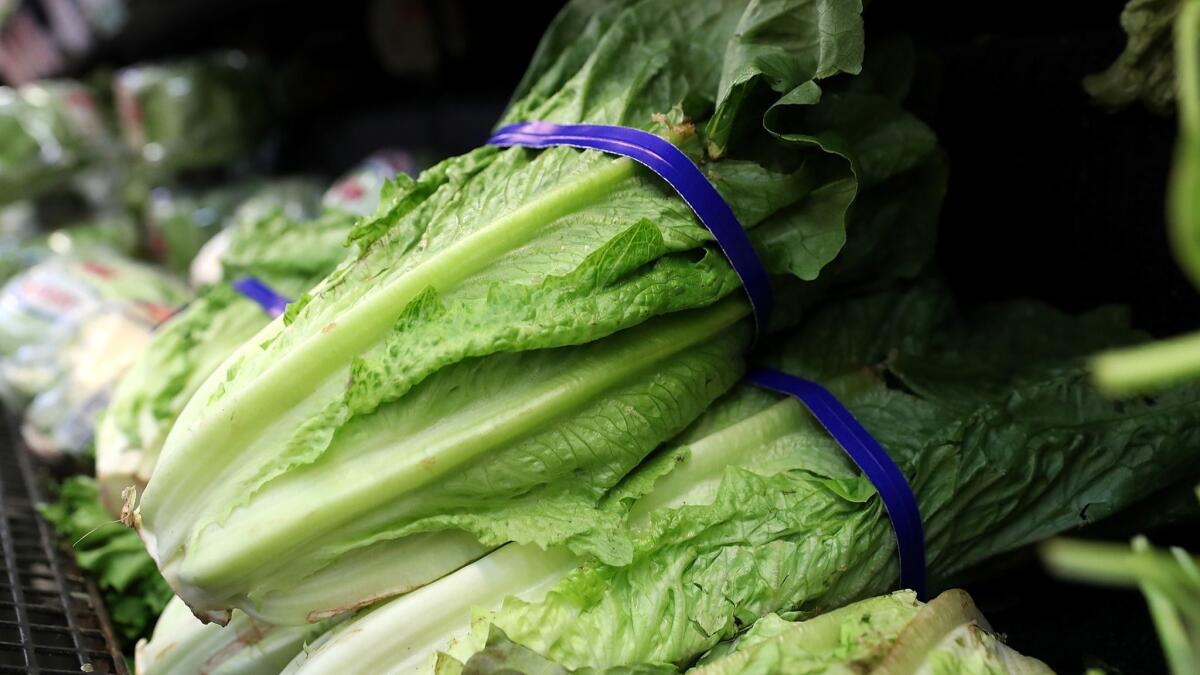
<point x="51" y="617"/>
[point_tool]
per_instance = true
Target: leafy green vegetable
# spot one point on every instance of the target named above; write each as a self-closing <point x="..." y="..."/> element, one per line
<point x="521" y="328"/>
<point x="1144" y="71"/>
<point x="755" y="510"/>
<point x="131" y="586"/>
<point x="281" y="245"/>
<point x="1170" y="580"/>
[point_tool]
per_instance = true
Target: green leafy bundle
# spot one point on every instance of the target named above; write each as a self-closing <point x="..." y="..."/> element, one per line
<point x="756" y="510"/>
<point x="49" y="132"/>
<point x="520" y="329"/>
<point x="193" y="113"/>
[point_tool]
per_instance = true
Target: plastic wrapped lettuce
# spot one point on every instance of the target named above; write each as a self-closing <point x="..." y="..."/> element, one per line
<point x="521" y="328"/>
<point x="41" y="309"/>
<point x="191" y="114"/>
<point x="61" y="421"/>
<point x="48" y="132"/>
<point x="885" y="635"/>
<point x="756" y="510"/>
<point x="18" y="238"/>
<point x="50" y="298"/>
<point x="183" y="645"/>
<point x="358" y="191"/>
<point x="104" y="234"/>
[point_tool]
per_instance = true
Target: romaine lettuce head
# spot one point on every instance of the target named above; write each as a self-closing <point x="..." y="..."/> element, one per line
<point x="755" y="509"/>
<point x="520" y="328"/>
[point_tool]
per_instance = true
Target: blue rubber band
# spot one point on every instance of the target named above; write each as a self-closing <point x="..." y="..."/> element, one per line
<point x="871" y="458"/>
<point x="253" y="288"/>
<point x="669" y="162"/>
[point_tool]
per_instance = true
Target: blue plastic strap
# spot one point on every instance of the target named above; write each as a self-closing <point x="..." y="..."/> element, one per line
<point x="271" y="302"/>
<point x="669" y="162"/>
<point x="664" y="159"/>
<point x="871" y="458"/>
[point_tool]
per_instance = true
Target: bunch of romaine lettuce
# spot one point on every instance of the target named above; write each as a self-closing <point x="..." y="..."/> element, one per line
<point x="180" y="222"/>
<point x="756" y="510"/>
<point x="887" y="635"/>
<point x="519" y="329"/>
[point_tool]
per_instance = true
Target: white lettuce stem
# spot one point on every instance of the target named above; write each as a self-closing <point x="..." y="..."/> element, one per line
<point x="695" y="478"/>
<point x="403" y="636"/>
<point x="1145" y="367"/>
<point x="182" y="645"/>
<point x="363" y="576"/>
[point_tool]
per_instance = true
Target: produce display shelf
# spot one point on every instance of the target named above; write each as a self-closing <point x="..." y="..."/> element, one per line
<point x="51" y="617"/>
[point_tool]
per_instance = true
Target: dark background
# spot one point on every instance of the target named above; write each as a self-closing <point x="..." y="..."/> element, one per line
<point x="1049" y="197"/>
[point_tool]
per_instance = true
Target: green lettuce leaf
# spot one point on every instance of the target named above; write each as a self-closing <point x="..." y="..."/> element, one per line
<point x="134" y="592"/>
<point x="885" y="635"/>
<point x="148" y="398"/>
